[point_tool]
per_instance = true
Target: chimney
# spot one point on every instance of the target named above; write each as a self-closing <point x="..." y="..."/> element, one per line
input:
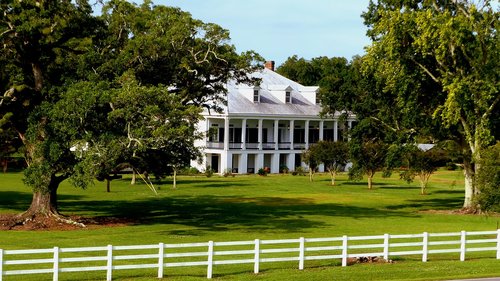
<point x="269" y="65"/>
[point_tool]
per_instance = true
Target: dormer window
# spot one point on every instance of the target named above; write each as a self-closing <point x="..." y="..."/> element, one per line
<point x="288" y="97"/>
<point x="256" y="97"/>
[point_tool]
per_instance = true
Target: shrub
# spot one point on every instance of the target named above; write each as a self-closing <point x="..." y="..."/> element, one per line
<point x="263" y="171"/>
<point x="284" y="169"/>
<point x="209" y="172"/>
<point x="299" y="171"/>
<point x="227" y="173"/>
<point x="488" y="179"/>
<point x="188" y="171"/>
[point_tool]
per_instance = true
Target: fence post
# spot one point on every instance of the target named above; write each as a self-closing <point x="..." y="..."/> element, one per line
<point x="498" y="250"/>
<point x="302" y="247"/>
<point x="344" y="250"/>
<point x="1" y="262"/>
<point x="161" y="256"/>
<point x="425" y="246"/>
<point x="109" y="266"/>
<point x="386" y="247"/>
<point x="256" y="256"/>
<point x="463" y="242"/>
<point x="55" y="274"/>
<point x="210" y="259"/>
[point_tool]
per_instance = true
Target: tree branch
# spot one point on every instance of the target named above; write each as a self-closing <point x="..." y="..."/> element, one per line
<point x="468" y="136"/>
<point x="426" y="71"/>
<point x="383" y="123"/>
<point x="492" y="106"/>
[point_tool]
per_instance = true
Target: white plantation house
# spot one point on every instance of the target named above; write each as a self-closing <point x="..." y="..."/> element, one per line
<point x="268" y="125"/>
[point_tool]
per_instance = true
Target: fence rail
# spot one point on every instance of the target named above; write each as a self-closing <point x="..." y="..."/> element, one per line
<point x="160" y="256"/>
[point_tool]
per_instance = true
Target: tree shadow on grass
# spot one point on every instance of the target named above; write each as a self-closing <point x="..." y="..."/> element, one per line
<point x="399" y="187"/>
<point x="16" y="201"/>
<point x="456" y="191"/>
<point x="430" y="204"/>
<point x="220" y="213"/>
<point x="363" y="183"/>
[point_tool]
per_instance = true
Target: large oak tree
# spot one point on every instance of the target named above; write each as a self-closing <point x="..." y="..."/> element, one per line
<point x="84" y="91"/>
<point x="442" y="55"/>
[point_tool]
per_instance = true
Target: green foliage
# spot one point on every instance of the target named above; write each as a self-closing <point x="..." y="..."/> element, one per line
<point x="488" y="179"/>
<point x="368" y="157"/>
<point x="284" y="169"/>
<point x="263" y="171"/>
<point x="421" y="163"/>
<point x="209" y="172"/>
<point x="438" y="62"/>
<point x="333" y="155"/>
<point x="124" y="88"/>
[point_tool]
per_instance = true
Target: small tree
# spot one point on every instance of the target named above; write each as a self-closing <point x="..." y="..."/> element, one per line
<point x="421" y="163"/>
<point x="368" y="157"/>
<point x="311" y="158"/>
<point x="333" y="155"/>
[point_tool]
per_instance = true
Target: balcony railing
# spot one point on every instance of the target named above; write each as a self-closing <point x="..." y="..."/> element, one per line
<point x="215" y="145"/>
<point x="284" y="145"/>
<point x="235" y="145"/>
<point x="268" y="145"/>
<point x="299" y="146"/>
<point x="255" y="145"/>
<point x="252" y="145"/>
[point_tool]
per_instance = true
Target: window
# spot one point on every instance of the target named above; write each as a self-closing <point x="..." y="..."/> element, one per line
<point x="288" y="97"/>
<point x="256" y="96"/>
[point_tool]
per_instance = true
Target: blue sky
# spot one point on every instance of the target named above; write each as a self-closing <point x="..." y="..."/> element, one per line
<point x="277" y="29"/>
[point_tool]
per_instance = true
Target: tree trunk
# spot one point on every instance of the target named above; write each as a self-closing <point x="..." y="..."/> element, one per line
<point x="469" y="185"/>
<point x="175" y="179"/>
<point x="424" y="180"/>
<point x="5" y="165"/>
<point x="132" y="182"/>
<point x="370" y="180"/>
<point x="332" y="175"/>
<point x="45" y="202"/>
<point x="108" y="185"/>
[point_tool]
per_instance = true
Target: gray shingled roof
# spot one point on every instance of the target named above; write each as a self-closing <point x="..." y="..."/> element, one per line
<point x="269" y="105"/>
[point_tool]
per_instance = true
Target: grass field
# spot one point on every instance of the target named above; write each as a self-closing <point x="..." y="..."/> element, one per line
<point x="250" y="207"/>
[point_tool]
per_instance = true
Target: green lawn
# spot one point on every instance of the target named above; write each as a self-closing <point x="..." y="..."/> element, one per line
<point x="250" y="207"/>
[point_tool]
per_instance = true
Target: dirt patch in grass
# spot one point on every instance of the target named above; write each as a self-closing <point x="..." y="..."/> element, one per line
<point x="460" y="212"/>
<point x="11" y="222"/>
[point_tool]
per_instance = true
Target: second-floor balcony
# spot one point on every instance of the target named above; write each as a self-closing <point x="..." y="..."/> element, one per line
<point x="257" y="146"/>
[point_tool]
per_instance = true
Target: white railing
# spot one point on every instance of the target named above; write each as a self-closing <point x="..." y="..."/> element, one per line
<point x="160" y="256"/>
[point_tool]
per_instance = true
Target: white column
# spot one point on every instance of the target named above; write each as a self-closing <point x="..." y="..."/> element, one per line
<point x="207" y="130"/>
<point x="335" y="130"/>
<point x="259" y="137"/>
<point x="260" y="161"/>
<point x="292" y="127"/>
<point x="291" y="162"/>
<point x="306" y="135"/>
<point x="243" y="134"/>
<point x="276" y="131"/>
<point x="226" y="133"/>
<point x="227" y="161"/>
<point x="275" y="163"/>
<point x="321" y="125"/>
<point x="243" y="163"/>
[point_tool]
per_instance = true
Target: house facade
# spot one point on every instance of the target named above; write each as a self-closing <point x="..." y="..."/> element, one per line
<point x="269" y="125"/>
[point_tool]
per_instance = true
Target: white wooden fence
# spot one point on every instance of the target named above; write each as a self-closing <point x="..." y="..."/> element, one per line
<point x="160" y="256"/>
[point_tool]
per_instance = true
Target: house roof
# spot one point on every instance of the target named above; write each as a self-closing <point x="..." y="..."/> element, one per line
<point x="238" y="104"/>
